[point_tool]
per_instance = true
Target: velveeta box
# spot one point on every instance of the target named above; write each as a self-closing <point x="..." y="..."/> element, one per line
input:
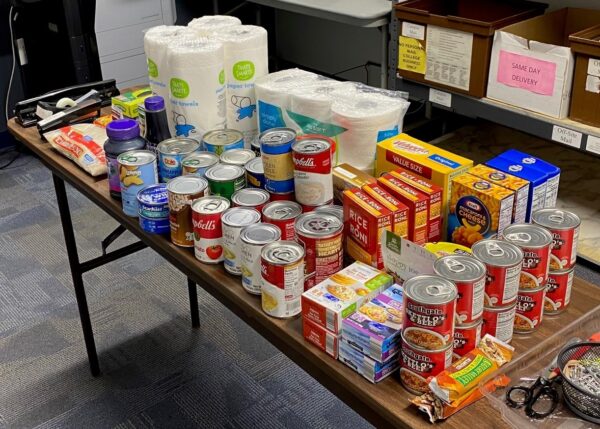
<point x="375" y="328"/>
<point x="329" y="302"/>
<point x="519" y="186"/>
<point x="369" y="368"/>
<point x="321" y="338"/>
<point x="399" y="210"/>
<point x="347" y="177"/>
<point x="478" y="209"/>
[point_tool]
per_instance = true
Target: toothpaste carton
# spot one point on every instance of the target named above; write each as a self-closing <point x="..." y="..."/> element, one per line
<point x="369" y="368"/>
<point x="321" y="337"/>
<point x="399" y="210"/>
<point x="375" y="328"/>
<point x="329" y="302"/>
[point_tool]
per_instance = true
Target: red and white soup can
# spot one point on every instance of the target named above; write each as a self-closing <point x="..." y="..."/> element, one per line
<point x="417" y="364"/>
<point x="283" y="215"/>
<point x="530" y="309"/>
<point x="558" y="291"/>
<point x="564" y="227"/>
<point x="208" y="231"/>
<point x="313" y="180"/>
<point x="466" y="338"/>
<point x="499" y="322"/>
<point x="535" y="242"/>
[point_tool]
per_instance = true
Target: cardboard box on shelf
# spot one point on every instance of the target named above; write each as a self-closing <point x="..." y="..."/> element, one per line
<point x="531" y="65"/>
<point x="585" y="97"/>
<point x="369" y="368"/>
<point x="321" y="338"/>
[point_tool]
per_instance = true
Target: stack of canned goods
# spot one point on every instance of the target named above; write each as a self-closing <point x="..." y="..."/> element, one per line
<point x="427" y="331"/>
<point x="313" y="179"/>
<point x="137" y="169"/>
<point x="276" y="149"/>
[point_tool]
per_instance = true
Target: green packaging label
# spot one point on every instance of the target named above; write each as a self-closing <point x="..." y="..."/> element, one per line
<point x="222" y="77"/>
<point x="243" y="70"/>
<point x="472" y="371"/>
<point x="179" y="88"/>
<point x="152" y="69"/>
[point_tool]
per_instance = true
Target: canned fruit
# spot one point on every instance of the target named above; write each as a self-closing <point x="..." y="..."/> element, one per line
<point x="219" y="141"/>
<point x="418" y="364"/>
<point x="313" y="181"/>
<point x="558" y="291"/>
<point x="224" y="180"/>
<point x="530" y="309"/>
<point x="499" y="322"/>
<point x="283" y="214"/>
<point x="137" y="169"/>
<point x="198" y="162"/>
<point x="252" y="239"/>
<point x="237" y="157"/>
<point x="564" y="227"/>
<point x="171" y="153"/>
<point x="153" y="201"/>
<point x="466" y="338"/>
<point x="398" y="209"/>
<point x="208" y="232"/>
<point x="233" y="220"/>
<point x="535" y="242"/>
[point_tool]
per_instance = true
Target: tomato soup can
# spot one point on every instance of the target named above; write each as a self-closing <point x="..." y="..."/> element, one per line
<point x="250" y="197"/>
<point x="171" y="153"/>
<point x="237" y="157"/>
<point x="313" y="181"/>
<point x="153" y="201"/>
<point x="208" y="230"/>
<point x="530" y="309"/>
<point x="255" y="173"/>
<point x="468" y="274"/>
<point x="137" y="169"/>
<point x="282" y="196"/>
<point x="252" y="239"/>
<point x="182" y="191"/>
<point x="225" y="180"/>
<point x="558" y="291"/>
<point x="282" y="270"/>
<point x="429" y="307"/>
<point x="466" y="338"/>
<point x="282" y="214"/>
<point x="417" y="364"/>
<point x="276" y="149"/>
<point x="198" y="162"/>
<point x="499" y="322"/>
<point x="321" y="235"/>
<point x="222" y="140"/>
<point x="536" y="243"/>
<point x="233" y="220"/>
<point x="502" y="262"/>
<point x="154" y="225"/>
<point x="564" y="227"/>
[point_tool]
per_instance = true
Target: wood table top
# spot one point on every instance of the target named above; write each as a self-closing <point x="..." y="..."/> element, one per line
<point x="385" y="404"/>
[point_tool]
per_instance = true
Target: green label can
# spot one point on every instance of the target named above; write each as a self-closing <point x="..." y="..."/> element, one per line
<point x="225" y="179"/>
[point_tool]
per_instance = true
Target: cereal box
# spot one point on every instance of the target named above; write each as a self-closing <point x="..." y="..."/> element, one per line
<point x="400" y="211"/>
<point x="478" y="209"/>
<point x="375" y="328"/>
<point x="340" y="295"/>
<point x="364" y="219"/>
<point x="435" y="200"/>
<point x="347" y="177"/>
<point x="369" y="368"/>
<point x="321" y="337"/>
<point x="418" y="206"/>
<point x="514" y="183"/>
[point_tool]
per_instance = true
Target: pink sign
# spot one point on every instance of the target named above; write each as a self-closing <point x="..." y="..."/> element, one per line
<point x="527" y="73"/>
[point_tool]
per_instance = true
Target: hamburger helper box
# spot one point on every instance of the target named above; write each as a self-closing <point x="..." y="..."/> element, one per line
<point x="375" y="328"/>
<point x="329" y="302"/>
<point x="369" y="368"/>
<point x="321" y="337"/>
<point x="399" y="210"/>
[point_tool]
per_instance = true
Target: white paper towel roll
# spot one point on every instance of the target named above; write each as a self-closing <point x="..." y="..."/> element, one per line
<point x="245" y="59"/>
<point x="197" y="86"/>
<point x="208" y="24"/>
<point x="314" y="100"/>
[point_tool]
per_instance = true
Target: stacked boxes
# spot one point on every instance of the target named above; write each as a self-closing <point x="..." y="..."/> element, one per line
<point x="399" y="210"/>
<point x="347" y="177"/>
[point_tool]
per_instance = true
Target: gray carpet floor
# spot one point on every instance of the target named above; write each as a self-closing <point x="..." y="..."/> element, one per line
<point x="157" y="371"/>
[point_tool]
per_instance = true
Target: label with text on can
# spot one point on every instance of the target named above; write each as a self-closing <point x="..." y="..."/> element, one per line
<point x="276" y="149"/>
<point x="252" y="239"/>
<point x="558" y="291"/>
<point x="418" y="364"/>
<point x="466" y="338"/>
<point x="321" y="235"/>
<point x="313" y="181"/>
<point x="171" y="153"/>
<point x="282" y="270"/>
<point x="233" y="220"/>
<point x="564" y="227"/>
<point x="183" y="190"/>
<point x="283" y="214"/>
<point x="499" y="322"/>
<point x="208" y="231"/>
<point x="530" y="309"/>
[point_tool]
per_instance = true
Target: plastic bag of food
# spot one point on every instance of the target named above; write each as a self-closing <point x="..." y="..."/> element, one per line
<point x="83" y="144"/>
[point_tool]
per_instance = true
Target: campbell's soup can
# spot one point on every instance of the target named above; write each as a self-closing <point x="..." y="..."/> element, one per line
<point x="283" y="214"/>
<point x="252" y="239"/>
<point x="429" y="307"/>
<point x="137" y="169"/>
<point x="417" y="364"/>
<point x="468" y="274"/>
<point x="171" y="153"/>
<point x="282" y="196"/>
<point x="225" y="179"/>
<point x="502" y="262"/>
<point x="313" y="181"/>
<point x="466" y="338"/>
<point x="222" y="140"/>
<point x="499" y="322"/>
<point x="282" y="270"/>
<point x="208" y="230"/>
<point x="276" y="153"/>
<point x="255" y="173"/>
<point x="182" y="191"/>
<point x="233" y="221"/>
<point x="198" y="162"/>
<point x="250" y="197"/>
<point x="564" y="227"/>
<point x="530" y="309"/>
<point x="558" y="291"/>
<point x="321" y="235"/>
<point x="535" y="242"/>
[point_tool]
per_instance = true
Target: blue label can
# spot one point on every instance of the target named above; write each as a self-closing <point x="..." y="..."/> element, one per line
<point x="255" y="173"/>
<point x="155" y="226"/>
<point x="219" y="141"/>
<point x="171" y="153"/>
<point x="279" y="186"/>
<point x="276" y="149"/>
<point x="137" y="169"/>
<point x="153" y="201"/>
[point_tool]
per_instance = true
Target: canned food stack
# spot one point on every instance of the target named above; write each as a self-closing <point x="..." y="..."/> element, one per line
<point x="276" y="149"/>
<point x="137" y="169"/>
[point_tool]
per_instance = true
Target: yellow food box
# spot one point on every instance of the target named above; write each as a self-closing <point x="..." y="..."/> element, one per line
<point x="347" y="177"/>
<point x="426" y="160"/>
<point x="127" y="104"/>
<point x="514" y="183"/>
<point x="478" y="209"/>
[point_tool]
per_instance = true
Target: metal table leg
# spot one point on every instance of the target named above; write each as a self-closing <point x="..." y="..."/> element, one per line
<point x="194" y="310"/>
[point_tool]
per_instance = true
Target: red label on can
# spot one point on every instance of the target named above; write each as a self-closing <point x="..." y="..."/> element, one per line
<point x="466" y="339"/>
<point x="323" y="257"/>
<point x="530" y="309"/>
<point x="288" y="232"/>
<point x="428" y="326"/>
<point x="312" y="162"/>
<point x="564" y="248"/>
<point x="274" y="274"/>
<point x="499" y="322"/>
<point x="469" y="303"/>
<point x="501" y="285"/>
<point x="536" y="263"/>
<point x="416" y="365"/>
<point x="208" y="237"/>
<point x="558" y="291"/>
<point x="284" y="196"/>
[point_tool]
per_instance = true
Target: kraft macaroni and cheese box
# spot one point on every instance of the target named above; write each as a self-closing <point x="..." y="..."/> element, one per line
<point x="552" y="171"/>
<point x="519" y="186"/>
<point x="321" y="338"/>
<point x="375" y="328"/>
<point x="426" y="160"/>
<point x="369" y="368"/>
<point x="537" y="182"/>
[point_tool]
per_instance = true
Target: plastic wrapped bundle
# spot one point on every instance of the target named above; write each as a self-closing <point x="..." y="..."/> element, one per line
<point x="207" y="25"/>
<point x="314" y="100"/>
<point x="197" y="88"/>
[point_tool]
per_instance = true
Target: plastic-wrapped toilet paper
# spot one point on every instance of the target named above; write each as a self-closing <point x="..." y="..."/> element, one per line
<point x="208" y="24"/>
<point x="245" y="59"/>
<point x="196" y="86"/>
<point x="314" y="100"/>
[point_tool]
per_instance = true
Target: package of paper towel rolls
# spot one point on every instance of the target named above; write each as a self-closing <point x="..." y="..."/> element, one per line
<point x="357" y="116"/>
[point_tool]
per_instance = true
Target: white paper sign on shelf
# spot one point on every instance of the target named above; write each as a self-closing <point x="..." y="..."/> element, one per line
<point x="566" y="136"/>
<point x="448" y="56"/>
<point x="594" y="67"/>
<point x="593" y="144"/>
<point x="440" y="97"/>
<point x="403" y="258"/>
<point x="415" y="31"/>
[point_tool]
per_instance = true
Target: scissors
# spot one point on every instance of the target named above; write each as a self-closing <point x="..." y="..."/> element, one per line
<point x="539" y="399"/>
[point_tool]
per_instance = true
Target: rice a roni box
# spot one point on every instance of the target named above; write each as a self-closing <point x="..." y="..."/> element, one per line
<point x="329" y="302"/>
<point x="364" y="219"/>
<point x="423" y="159"/>
<point x="321" y="337"/>
<point x="418" y="206"/>
<point x="375" y="328"/>
<point x="400" y="211"/>
<point x="369" y="368"/>
<point x="435" y="200"/>
<point x="508" y="181"/>
<point x="478" y="209"/>
<point x="347" y="177"/>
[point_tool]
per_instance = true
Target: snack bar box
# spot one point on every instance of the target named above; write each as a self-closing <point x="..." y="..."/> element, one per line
<point x="369" y="368"/>
<point x="422" y="159"/>
<point x="321" y="337"/>
<point x="375" y="328"/>
<point x="329" y="302"/>
<point x="585" y="97"/>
